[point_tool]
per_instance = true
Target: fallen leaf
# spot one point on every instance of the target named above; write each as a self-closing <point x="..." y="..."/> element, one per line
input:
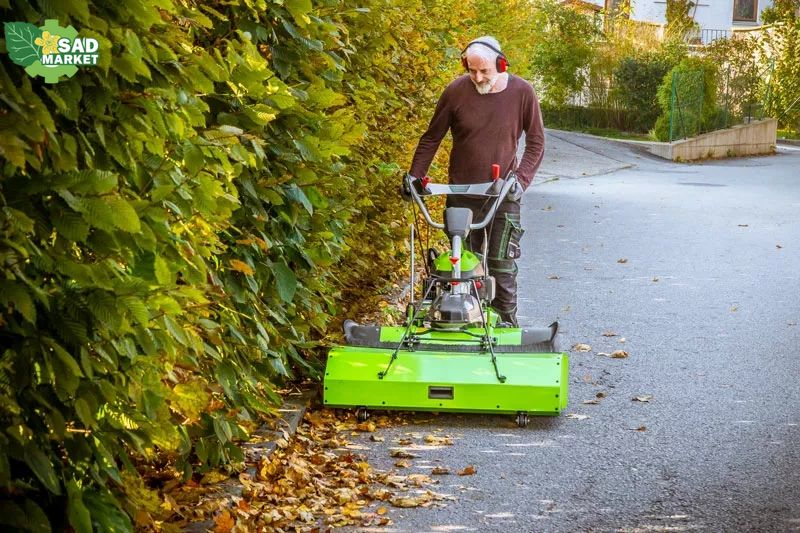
<point x="601" y="394"/>
<point x="375" y="438"/>
<point x="468" y="471"/>
<point x="734" y="309"/>
<point x="566" y="309"/>
<point x="581" y="348"/>
<point x="438" y="441"/>
<point x="402" y="454"/>
<point x="744" y="225"/>
<point x="604" y="354"/>
<point x="410" y="501"/>
<point x="640" y="428"/>
<point x="213" y="477"/>
<point x="623" y="260"/>
<point x="403" y="463"/>
<point x="382" y="510"/>
<point x="591" y="402"/>
<point x="440" y="471"/>
<point x="644" y="398"/>
<point x="547" y="208"/>
<point x="609" y="334"/>
<point x="367" y="426"/>
<point x="792" y="323"/>
<point x="420" y="480"/>
<point x="576" y="416"/>
<point x="778" y="246"/>
<point x="224" y="522"/>
<point x="553" y="277"/>
<point x="623" y="340"/>
<point x="619" y="354"/>
<point x="655" y="280"/>
<point x="405" y="442"/>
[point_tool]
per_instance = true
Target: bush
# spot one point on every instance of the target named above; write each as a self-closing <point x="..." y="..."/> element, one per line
<point x="171" y="220"/>
<point x="561" y="48"/>
<point x="783" y="42"/>
<point x="636" y="82"/>
<point x="687" y="97"/>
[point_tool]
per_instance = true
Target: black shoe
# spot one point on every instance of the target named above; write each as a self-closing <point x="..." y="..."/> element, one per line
<point x="508" y="320"/>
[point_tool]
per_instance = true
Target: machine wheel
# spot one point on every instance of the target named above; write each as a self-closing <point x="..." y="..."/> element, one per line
<point x="362" y="414"/>
<point x="522" y="419"/>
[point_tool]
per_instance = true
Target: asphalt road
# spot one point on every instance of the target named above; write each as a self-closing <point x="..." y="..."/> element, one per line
<point x="707" y="304"/>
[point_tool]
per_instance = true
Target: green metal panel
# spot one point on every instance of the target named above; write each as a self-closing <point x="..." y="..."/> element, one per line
<point x="439" y="381"/>
<point x="469" y="261"/>
<point x="504" y="336"/>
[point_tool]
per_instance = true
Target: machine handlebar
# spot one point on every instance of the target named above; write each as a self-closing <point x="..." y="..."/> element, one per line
<point x="498" y="188"/>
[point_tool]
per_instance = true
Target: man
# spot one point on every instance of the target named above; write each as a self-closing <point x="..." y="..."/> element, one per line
<point x="487" y="110"/>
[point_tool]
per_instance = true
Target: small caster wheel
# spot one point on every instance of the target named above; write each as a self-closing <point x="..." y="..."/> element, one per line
<point x="522" y="419"/>
<point x="362" y="414"/>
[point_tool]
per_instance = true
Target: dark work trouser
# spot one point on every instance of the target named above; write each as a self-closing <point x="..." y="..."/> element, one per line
<point x="504" y="232"/>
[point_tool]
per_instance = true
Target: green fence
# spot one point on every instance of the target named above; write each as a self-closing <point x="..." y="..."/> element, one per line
<point x="741" y="96"/>
<point x="686" y="104"/>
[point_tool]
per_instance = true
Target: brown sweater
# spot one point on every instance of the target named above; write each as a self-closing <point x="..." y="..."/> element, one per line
<point x="486" y="129"/>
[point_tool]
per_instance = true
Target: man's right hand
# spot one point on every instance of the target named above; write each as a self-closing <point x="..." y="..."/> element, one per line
<point x="405" y="188"/>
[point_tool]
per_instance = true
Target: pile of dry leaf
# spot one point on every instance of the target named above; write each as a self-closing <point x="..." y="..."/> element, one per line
<point x="312" y="483"/>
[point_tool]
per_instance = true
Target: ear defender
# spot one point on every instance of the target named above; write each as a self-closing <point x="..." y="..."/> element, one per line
<point x="501" y="63"/>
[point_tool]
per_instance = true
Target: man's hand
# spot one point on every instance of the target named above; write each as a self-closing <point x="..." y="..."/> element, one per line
<point x="515" y="192"/>
<point x="405" y="189"/>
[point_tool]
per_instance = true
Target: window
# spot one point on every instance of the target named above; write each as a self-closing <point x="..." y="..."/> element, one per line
<point x="745" y="10"/>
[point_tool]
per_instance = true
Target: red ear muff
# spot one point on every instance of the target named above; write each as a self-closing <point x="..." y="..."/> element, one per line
<point x="501" y="63"/>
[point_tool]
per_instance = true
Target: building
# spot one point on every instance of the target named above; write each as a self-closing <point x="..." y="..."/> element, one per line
<point x="715" y="18"/>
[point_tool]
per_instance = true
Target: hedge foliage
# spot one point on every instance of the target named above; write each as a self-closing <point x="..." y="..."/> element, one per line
<point x="636" y="83"/>
<point x="784" y="45"/>
<point x="688" y="100"/>
<point x="178" y="225"/>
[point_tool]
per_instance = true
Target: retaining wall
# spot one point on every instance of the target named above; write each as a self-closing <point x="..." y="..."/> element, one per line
<point x="758" y="137"/>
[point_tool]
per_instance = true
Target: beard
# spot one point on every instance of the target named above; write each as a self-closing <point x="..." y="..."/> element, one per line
<point x="485" y="87"/>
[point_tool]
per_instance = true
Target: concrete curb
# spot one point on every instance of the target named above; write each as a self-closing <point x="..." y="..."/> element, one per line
<point x="789" y="142"/>
<point x="290" y="414"/>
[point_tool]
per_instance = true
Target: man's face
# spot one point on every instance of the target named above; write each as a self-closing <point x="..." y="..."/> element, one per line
<point x="482" y="72"/>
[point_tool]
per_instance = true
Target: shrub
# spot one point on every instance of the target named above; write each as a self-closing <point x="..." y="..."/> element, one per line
<point x="170" y="222"/>
<point x="636" y="82"/>
<point x="561" y="49"/>
<point x="687" y="97"/>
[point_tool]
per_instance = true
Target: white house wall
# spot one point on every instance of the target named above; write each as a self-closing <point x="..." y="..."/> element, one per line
<point x="710" y="14"/>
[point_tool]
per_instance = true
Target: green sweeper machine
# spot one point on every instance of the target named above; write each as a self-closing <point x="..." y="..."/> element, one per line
<point x="453" y="353"/>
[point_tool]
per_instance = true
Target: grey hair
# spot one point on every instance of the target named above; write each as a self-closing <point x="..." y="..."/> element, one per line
<point x="476" y="48"/>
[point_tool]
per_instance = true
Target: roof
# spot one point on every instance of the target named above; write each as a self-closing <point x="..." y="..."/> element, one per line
<point x="582" y="5"/>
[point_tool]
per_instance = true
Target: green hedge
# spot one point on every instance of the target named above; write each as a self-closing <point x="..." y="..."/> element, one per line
<point x="688" y="100"/>
<point x="178" y="224"/>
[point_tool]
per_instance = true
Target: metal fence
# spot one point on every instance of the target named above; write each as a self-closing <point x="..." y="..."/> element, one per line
<point x="743" y="95"/>
<point x="595" y="106"/>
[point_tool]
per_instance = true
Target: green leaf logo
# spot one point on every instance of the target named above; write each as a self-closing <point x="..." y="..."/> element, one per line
<point x="21" y="42"/>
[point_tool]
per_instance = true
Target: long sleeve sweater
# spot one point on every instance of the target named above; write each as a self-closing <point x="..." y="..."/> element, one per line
<point x="486" y="130"/>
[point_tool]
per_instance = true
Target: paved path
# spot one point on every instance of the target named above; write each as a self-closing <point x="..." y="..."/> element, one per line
<point x="707" y="302"/>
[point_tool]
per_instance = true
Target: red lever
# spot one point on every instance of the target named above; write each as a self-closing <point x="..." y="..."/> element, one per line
<point x="425" y="181"/>
<point x="495" y="171"/>
<point x="454" y="260"/>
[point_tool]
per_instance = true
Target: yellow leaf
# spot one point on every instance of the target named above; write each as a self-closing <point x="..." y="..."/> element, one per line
<point x="240" y="266"/>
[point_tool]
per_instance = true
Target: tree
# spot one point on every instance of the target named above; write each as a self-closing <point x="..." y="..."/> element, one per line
<point x="562" y="45"/>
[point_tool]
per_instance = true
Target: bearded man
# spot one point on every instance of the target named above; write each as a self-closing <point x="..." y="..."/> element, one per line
<point x="487" y="110"/>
